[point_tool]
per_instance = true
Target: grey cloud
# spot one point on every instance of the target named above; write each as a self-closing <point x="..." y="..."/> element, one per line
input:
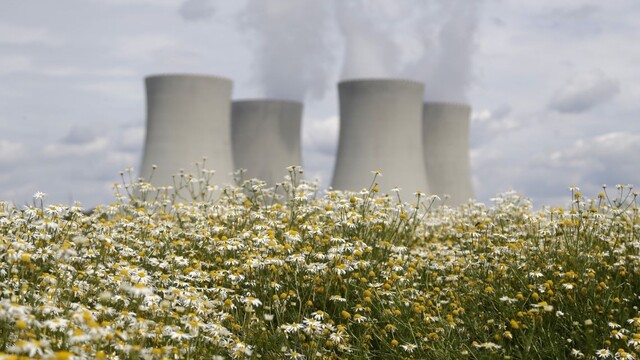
<point x="582" y="94"/>
<point x="79" y="135"/>
<point x="11" y="64"/>
<point x="580" y="20"/>
<point x="60" y="150"/>
<point x="19" y="35"/>
<point x="131" y="139"/>
<point x="196" y="10"/>
<point x="597" y="160"/>
<point x="11" y="152"/>
<point x="320" y="143"/>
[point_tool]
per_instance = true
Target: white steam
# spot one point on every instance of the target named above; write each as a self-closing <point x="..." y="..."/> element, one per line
<point x="195" y="10"/>
<point x="451" y="74"/>
<point x="428" y="41"/>
<point x="431" y="41"/>
<point x="292" y="55"/>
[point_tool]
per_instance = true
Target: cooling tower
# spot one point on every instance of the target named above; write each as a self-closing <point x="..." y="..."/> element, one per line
<point x="266" y="137"/>
<point x="188" y="118"/>
<point x="446" y="150"/>
<point x="380" y="129"/>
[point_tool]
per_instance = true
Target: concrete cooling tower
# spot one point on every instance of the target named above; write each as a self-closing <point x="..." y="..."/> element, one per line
<point x="446" y="150"/>
<point x="266" y="137"/>
<point x="188" y="118"/>
<point x="380" y="129"/>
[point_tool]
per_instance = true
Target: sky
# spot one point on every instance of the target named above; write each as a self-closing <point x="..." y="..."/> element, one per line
<point x="554" y="86"/>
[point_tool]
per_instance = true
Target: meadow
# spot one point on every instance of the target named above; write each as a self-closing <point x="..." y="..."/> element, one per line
<point x="294" y="273"/>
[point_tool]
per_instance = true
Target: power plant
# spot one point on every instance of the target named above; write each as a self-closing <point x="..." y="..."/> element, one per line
<point x="384" y="126"/>
<point x="380" y="129"/>
<point x="446" y="150"/>
<point x="188" y="118"/>
<point x="266" y="137"/>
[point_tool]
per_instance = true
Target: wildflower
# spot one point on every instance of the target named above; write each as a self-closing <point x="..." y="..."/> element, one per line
<point x="312" y="326"/>
<point x="577" y="354"/>
<point x="39" y="195"/>
<point x="536" y="274"/>
<point x="31" y="348"/>
<point x="487" y="345"/>
<point x="253" y="301"/>
<point x="291" y="328"/>
<point x="508" y="300"/>
<point x="621" y="354"/>
<point x="359" y="318"/>
<point x="318" y="315"/>
<point x="179" y="335"/>
<point x="409" y="347"/>
<point x="62" y="355"/>
<point x="603" y="353"/>
<point x="139" y="290"/>
<point x="56" y="324"/>
<point x="294" y="355"/>
<point x="241" y="349"/>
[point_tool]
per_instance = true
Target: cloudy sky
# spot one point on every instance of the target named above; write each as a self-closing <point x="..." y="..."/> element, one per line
<point x="554" y="86"/>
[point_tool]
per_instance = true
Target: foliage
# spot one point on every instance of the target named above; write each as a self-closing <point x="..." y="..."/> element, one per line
<point x="252" y="272"/>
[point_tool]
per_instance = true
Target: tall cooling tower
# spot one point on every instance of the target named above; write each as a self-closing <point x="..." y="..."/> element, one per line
<point x="188" y="118"/>
<point x="446" y="150"/>
<point x="380" y="129"/>
<point x="266" y="137"/>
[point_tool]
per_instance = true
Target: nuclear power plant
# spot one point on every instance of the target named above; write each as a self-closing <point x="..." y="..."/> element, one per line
<point x="446" y="150"/>
<point x="384" y="126"/>
<point x="188" y="118"/>
<point x="266" y="137"/>
<point x="380" y="129"/>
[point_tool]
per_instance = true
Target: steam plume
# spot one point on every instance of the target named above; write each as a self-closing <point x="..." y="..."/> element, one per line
<point x="430" y="41"/>
<point x="292" y="51"/>
<point x="451" y="74"/>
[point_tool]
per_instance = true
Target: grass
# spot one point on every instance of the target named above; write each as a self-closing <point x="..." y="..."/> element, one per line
<point x="239" y="273"/>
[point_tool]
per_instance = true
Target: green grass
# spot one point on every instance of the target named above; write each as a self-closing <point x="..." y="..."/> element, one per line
<point x="238" y="273"/>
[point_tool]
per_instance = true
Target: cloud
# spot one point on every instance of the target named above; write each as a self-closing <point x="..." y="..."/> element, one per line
<point x="143" y="47"/>
<point x="18" y="35"/>
<point x="577" y="19"/>
<point x="320" y="144"/>
<point x="10" y="64"/>
<point x="614" y="150"/>
<point x="77" y="71"/>
<point x="131" y="139"/>
<point x="123" y="90"/>
<point x="581" y="94"/>
<point x="195" y="10"/>
<point x="75" y="149"/>
<point x="11" y="152"/>
<point x="164" y="3"/>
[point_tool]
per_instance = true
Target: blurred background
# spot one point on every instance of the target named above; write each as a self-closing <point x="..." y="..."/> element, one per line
<point x="554" y="86"/>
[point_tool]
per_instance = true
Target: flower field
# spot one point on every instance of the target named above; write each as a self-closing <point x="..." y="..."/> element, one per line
<point x="248" y="272"/>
